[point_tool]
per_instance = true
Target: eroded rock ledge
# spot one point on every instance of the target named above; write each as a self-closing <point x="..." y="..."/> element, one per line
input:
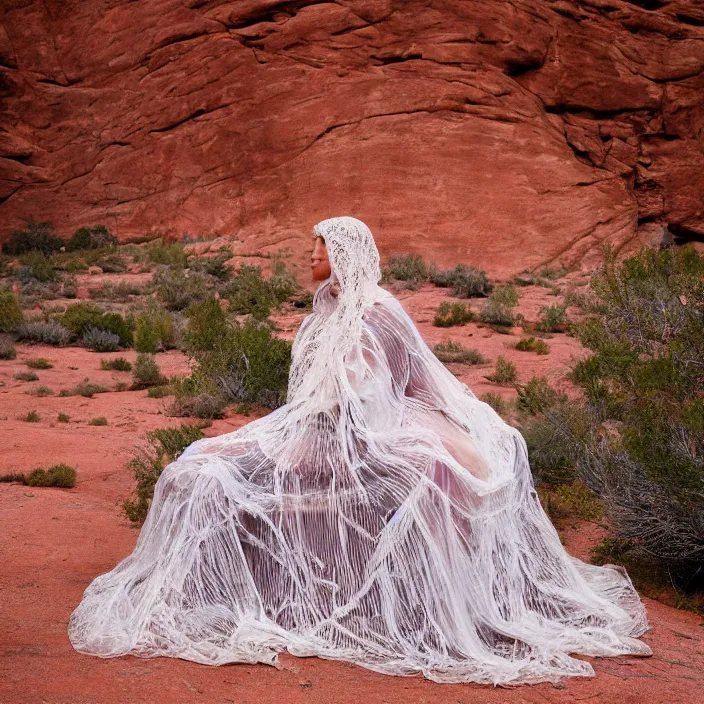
<point x="507" y="133"/>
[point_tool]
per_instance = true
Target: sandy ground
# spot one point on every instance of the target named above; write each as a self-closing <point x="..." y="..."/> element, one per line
<point x="53" y="542"/>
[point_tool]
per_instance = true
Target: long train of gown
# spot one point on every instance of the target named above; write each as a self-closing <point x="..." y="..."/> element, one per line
<point x="399" y="530"/>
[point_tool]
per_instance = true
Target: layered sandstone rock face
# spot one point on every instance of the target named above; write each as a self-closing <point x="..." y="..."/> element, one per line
<point x="502" y="133"/>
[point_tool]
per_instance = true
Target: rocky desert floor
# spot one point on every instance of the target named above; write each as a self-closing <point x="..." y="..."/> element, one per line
<point x="53" y="542"/>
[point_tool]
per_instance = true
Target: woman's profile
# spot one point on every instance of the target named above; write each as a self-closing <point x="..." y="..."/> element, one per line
<point x="383" y="516"/>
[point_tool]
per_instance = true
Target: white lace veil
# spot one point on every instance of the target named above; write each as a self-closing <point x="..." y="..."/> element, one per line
<point x="384" y="516"/>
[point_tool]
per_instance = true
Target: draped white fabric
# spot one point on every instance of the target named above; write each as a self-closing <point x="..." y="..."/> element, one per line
<point x="384" y="516"/>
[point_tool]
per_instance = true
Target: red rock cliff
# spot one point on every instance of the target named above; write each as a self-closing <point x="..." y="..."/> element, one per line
<point x="505" y="133"/>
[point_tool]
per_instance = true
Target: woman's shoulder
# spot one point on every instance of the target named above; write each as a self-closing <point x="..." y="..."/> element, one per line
<point x="388" y="312"/>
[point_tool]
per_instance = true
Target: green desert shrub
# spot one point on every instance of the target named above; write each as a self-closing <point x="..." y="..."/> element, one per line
<point x="85" y="388"/>
<point x="41" y="391"/>
<point x="497" y="402"/>
<point x="59" y="475"/>
<point x="26" y="376"/>
<point x="168" y="254"/>
<point x="411" y="269"/>
<point x="7" y="348"/>
<point x="216" y="265"/>
<point x="116" y="264"/>
<point x="450" y="351"/>
<point x="532" y="344"/>
<point x="249" y="293"/>
<point x="96" y="237"/>
<point x="100" y="340"/>
<point x="122" y="291"/>
<point x="569" y="501"/>
<point x="164" y="446"/>
<point x="35" y="237"/>
<point x="504" y="373"/>
<point x="640" y="443"/>
<point x="39" y="363"/>
<point x="99" y="420"/>
<point x="146" y="371"/>
<point x="30" y="417"/>
<point x="10" y="311"/>
<point x="117" y="364"/>
<point x="552" y="318"/>
<point x="536" y="395"/>
<point x="282" y="281"/>
<point x="50" y="332"/>
<point x="178" y="289"/>
<point x="160" y="391"/>
<point x="36" y="265"/>
<point x="498" y="308"/>
<point x="465" y="281"/>
<point x="198" y="405"/>
<point x="63" y="418"/>
<point x="449" y="314"/>
<point x="81" y="316"/>
<point x="240" y="362"/>
<point x="154" y="330"/>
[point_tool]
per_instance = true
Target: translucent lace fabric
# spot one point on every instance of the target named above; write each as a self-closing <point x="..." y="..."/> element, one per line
<point x="383" y="516"/>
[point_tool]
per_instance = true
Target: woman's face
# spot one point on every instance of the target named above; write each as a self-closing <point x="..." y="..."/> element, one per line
<point x="319" y="262"/>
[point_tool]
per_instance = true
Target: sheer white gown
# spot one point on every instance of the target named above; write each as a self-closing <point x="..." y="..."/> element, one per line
<point x="384" y="516"/>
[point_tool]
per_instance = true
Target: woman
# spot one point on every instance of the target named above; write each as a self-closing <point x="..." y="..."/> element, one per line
<point x="384" y="516"/>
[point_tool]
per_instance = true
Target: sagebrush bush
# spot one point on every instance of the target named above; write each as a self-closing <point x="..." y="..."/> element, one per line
<point x="536" y="395"/>
<point x="63" y="418"/>
<point x="122" y="291"/>
<point x="36" y="236"/>
<point x="81" y="316"/>
<point x="411" y="269"/>
<point x="146" y="371"/>
<point x="449" y="314"/>
<point x="450" y="351"/>
<point x="504" y="373"/>
<point x="498" y="308"/>
<point x="7" y="347"/>
<point x="59" y="475"/>
<point x="169" y="254"/>
<point x="214" y="266"/>
<point x="465" y="281"/>
<point x="154" y="330"/>
<point x="637" y="437"/>
<point x="532" y="344"/>
<point x="553" y="318"/>
<point x="49" y="333"/>
<point x="100" y="340"/>
<point x="38" y="363"/>
<point x="497" y="402"/>
<point x="95" y="237"/>
<point x="240" y="362"/>
<point x="30" y="417"/>
<point x="38" y="266"/>
<point x="10" y="311"/>
<point x="569" y="501"/>
<point x="282" y="281"/>
<point x="249" y="293"/>
<point x="41" y="391"/>
<point x="178" y="289"/>
<point x="164" y="446"/>
<point x="99" y="420"/>
<point x="160" y="391"/>
<point x="85" y="388"/>
<point x="199" y="405"/>
<point x="118" y="364"/>
<point x="26" y="376"/>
